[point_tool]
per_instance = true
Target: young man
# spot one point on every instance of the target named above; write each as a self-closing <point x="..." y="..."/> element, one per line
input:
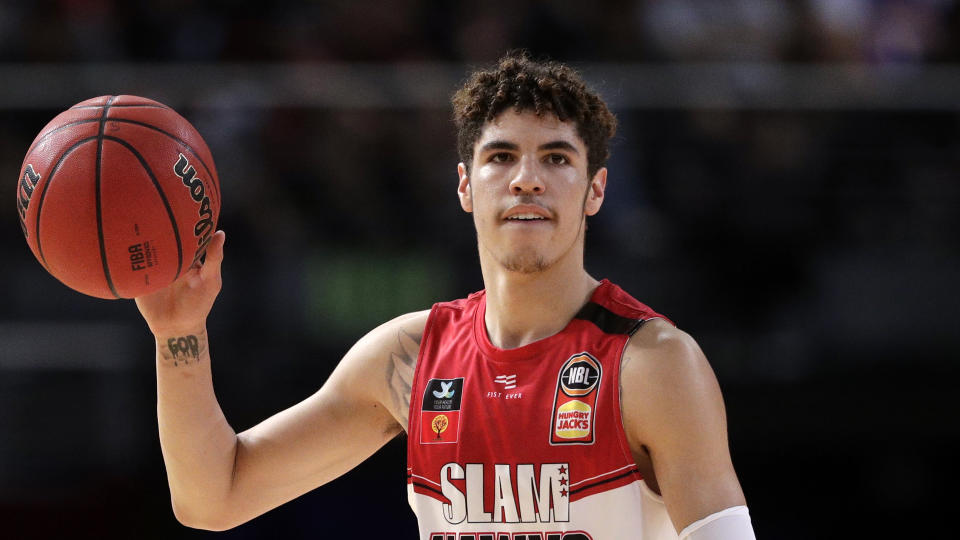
<point x="550" y="405"/>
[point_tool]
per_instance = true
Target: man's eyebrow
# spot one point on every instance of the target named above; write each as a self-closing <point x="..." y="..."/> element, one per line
<point x="559" y="145"/>
<point x="499" y="145"/>
<point x="507" y="145"/>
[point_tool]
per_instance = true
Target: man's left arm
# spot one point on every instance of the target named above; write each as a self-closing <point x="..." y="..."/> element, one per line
<point x="674" y="416"/>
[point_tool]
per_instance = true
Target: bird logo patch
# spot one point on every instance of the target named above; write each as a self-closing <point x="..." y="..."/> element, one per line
<point x="440" y="413"/>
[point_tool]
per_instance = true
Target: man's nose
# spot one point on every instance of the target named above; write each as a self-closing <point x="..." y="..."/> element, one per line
<point x="528" y="179"/>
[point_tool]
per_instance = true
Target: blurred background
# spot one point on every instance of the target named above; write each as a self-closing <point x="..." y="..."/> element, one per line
<point x="783" y="185"/>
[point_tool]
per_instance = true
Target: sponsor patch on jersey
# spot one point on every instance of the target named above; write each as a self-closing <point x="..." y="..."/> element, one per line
<point x="440" y="413"/>
<point x="575" y="402"/>
<point x="573" y="420"/>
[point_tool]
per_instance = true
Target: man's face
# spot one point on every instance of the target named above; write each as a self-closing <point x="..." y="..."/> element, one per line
<point x="528" y="190"/>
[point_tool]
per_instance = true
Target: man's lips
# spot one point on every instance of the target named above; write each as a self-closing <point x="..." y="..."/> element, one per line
<point x="527" y="213"/>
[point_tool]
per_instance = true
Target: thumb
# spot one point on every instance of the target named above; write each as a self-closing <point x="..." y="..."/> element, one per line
<point x="214" y="258"/>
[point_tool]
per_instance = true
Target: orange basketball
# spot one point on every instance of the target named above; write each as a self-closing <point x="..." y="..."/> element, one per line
<point x="118" y="196"/>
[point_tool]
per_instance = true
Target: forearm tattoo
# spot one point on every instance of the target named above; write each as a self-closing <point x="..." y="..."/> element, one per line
<point x="183" y="350"/>
<point x="400" y="374"/>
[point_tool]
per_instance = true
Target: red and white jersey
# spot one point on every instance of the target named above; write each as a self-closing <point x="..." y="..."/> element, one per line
<point x="527" y="443"/>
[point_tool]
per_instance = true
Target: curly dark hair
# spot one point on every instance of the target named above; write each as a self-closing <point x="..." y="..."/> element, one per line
<point x="525" y="84"/>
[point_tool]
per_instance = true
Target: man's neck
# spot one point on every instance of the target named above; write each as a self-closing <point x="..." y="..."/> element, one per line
<point x="523" y="308"/>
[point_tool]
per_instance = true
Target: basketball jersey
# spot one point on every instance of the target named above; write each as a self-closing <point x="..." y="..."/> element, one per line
<point x="527" y="443"/>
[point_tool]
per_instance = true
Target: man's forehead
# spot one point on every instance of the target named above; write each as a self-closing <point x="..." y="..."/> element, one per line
<point x="527" y="127"/>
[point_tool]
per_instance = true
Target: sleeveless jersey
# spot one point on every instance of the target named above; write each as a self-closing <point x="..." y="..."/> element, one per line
<point x="527" y="443"/>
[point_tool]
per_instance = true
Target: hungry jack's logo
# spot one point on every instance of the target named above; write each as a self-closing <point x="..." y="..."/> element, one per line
<point x="575" y="403"/>
<point x="440" y="412"/>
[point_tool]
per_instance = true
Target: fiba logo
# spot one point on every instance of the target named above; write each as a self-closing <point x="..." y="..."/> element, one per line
<point x="579" y="375"/>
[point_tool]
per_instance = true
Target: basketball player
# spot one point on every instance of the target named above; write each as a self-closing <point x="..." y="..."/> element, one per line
<point x="550" y="405"/>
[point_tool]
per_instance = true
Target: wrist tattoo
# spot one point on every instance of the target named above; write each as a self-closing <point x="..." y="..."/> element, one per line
<point x="183" y="349"/>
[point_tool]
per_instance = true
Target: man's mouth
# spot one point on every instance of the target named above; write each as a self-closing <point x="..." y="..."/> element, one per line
<point x="526" y="217"/>
<point x="527" y="213"/>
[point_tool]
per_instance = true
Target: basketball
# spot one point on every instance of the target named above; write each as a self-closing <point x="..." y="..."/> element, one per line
<point x="118" y="196"/>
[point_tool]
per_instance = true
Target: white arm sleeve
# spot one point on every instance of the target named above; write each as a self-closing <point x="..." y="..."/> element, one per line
<point x="730" y="524"/>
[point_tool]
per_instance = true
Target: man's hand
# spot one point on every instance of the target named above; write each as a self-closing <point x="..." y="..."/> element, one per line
<point x="182" y="307"/>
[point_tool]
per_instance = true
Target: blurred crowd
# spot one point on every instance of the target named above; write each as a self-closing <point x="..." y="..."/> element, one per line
<point x="417" y="30"/>
<point x="800" y="247"/>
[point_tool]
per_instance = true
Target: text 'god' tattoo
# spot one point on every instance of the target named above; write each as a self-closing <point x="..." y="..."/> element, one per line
<point x="183" y="349"/>
<point x="400" y="374"/>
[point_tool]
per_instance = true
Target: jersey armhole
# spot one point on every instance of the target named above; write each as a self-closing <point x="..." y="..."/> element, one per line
<point x="415" y="400"/>
<point x="618" y="401"/>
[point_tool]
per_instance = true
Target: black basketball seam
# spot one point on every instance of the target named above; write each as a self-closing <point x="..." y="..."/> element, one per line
<point x="43" y="193"/>
<point x="58" y="128"/>
<point x="213" y="179"/>
<point x="146" y="105"/>
<point x="163" y="197"/>
<point x="103" y="248"/>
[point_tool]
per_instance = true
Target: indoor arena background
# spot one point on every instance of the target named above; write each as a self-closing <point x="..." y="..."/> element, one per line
<point x="783" y="185"/>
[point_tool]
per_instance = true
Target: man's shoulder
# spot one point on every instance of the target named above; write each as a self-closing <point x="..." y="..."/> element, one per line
<point x="461" y="303"/>
<point x="668" y="389"/>
<point x="661" y="355"/>
<point x="659" y="334"/>
<point x="414" y="323"/>
<point x="411" y="323"/>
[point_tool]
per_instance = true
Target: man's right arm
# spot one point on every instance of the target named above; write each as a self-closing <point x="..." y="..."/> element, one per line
<point x="219" y="479"/>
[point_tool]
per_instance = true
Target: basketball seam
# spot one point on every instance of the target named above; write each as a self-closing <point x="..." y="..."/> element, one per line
<point x="146" y="105"/>
<point x="43" y="193"/>
<point x="213" y="178"/>
<point x="103" y="248"/>
<point x="163" y="197"/>
<point x="44" y="136"/>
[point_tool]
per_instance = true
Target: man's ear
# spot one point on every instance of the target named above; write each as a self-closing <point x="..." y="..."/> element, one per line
<point x="598" y="185"/>
<point x="463" y="189"/>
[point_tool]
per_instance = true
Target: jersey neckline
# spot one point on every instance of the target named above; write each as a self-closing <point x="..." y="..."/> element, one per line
<point x="531" y="350"/>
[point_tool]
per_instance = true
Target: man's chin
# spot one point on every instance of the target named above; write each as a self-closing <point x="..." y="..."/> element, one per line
<point x="525" y="264"/>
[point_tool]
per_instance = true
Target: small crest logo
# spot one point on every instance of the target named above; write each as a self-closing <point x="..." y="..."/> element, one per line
<point x="508" y="381"/>
<point x="445" y="392"/>
<point x="579" y="375"/>
<point x="440" y="424"/>
<point x="575" y="402"/>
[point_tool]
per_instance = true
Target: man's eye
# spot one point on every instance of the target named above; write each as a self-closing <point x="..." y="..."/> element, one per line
<point x="557" y="159"/>
<point x="500" y="157"/>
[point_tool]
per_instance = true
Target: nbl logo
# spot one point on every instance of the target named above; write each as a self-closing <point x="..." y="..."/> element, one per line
<point x="575" y="403"/>
<point x="579" y="375"/>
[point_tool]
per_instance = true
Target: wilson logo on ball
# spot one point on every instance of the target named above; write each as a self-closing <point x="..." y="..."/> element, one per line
<point x="28" y="182"/>
<point x="203" y="229"/>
